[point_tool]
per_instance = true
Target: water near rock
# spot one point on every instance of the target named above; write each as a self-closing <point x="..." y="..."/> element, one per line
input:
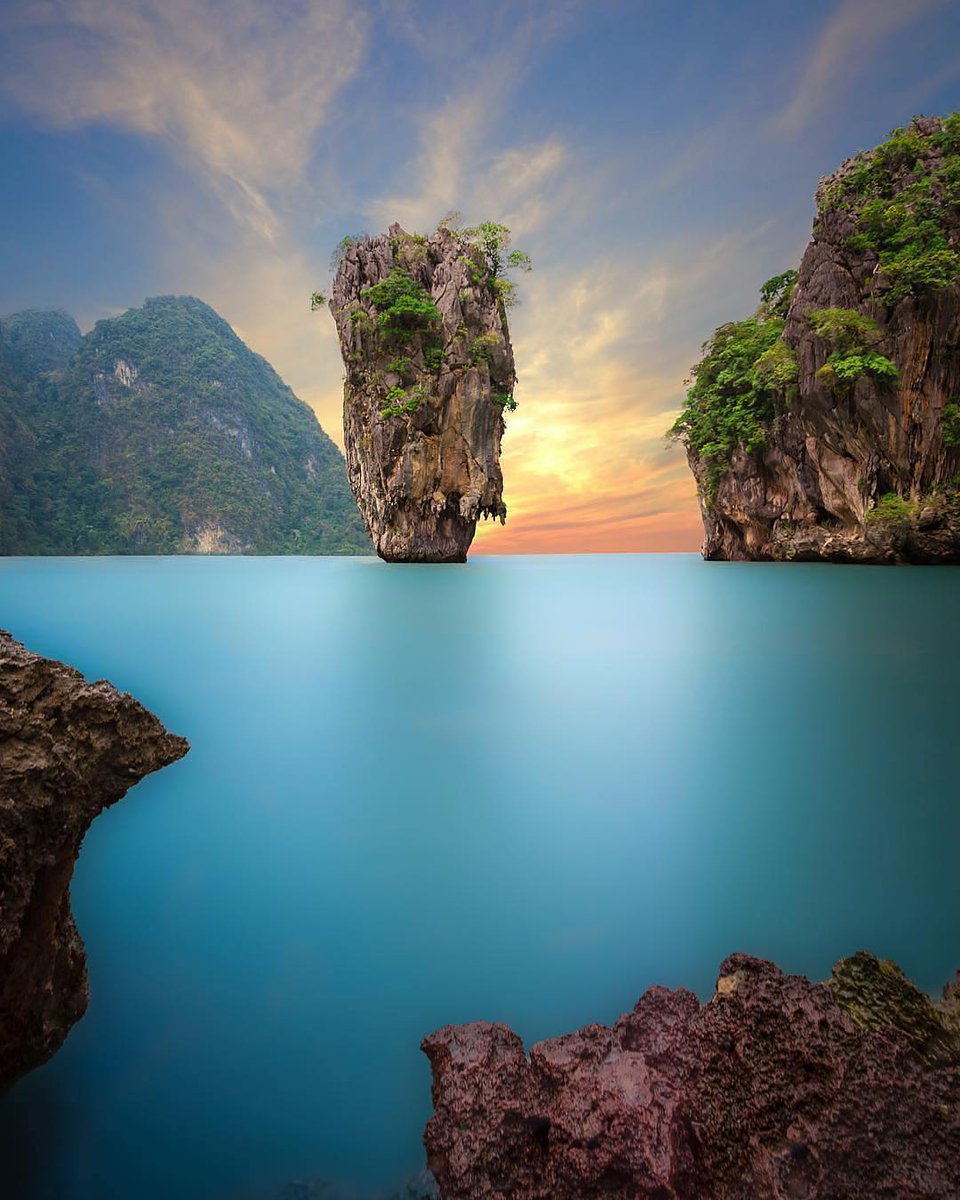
<point x="68" y="749"/>
<point x="524" y="790"/>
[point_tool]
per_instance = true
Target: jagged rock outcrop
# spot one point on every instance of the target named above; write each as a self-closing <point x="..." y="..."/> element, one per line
<point x="867" y="468"/>
<point x="68" y="749"/>
<point x="429" y="370"/>
<point x="775" y="1088"/>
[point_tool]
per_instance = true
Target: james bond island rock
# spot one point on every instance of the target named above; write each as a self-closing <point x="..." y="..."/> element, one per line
<point x="775" y="1088"/>
<point x="68" y="749"/>
<point x="429" y="367"/>
<point x="827" y="426"/>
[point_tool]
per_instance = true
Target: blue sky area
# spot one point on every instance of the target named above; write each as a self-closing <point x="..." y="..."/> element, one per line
<point x="657" y="160"/>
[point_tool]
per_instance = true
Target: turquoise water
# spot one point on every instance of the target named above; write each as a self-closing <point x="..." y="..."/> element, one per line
<point x="522" y="790"/>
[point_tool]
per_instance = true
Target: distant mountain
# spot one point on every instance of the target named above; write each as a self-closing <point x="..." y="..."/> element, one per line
<point x="38" y="340"/>
<point x="160" y="432"/>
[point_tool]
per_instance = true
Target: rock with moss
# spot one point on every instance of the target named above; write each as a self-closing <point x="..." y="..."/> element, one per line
<point x="827" y="426"/>
<point x="776" y="1087"/>
<point x="429" y="367"/>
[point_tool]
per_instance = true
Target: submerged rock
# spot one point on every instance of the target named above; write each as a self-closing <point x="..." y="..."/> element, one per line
<point x="429" y="371"/>
<point x="841" y="441"/>
<point x="68" y="749"/>
<point x="777" y="1087"/>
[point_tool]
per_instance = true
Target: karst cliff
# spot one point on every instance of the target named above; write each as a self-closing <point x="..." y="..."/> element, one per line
<point x="827" y="426"/>
<point x="68" y="749"/>
<point x="429" y="371"/>
<point x="775" y="1088"/>
<point x="160" y="432"/>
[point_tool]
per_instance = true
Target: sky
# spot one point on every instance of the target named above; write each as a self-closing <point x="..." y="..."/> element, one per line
<point x="657" y="159"/>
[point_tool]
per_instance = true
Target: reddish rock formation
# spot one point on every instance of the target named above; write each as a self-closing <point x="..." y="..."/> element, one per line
<point x="68" y="749"/>
<point x="425" y="390"/>
<point x="776" y="1088"/>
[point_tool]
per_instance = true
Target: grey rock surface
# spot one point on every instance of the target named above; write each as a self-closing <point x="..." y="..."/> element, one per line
<point x="423" y="478"/>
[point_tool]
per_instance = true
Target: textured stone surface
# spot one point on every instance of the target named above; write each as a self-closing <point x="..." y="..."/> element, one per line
<point x="423" y="479"/>
<point x="832" y="456"/>
<point x="68" y="749"/>
<point x="776" y="1088"/>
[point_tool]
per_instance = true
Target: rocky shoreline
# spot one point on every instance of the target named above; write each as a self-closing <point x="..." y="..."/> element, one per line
<point x="68" y="750"/>
<point x="776" y="1087"/>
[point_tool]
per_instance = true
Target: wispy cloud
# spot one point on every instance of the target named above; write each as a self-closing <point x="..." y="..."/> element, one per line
<point x="239" y="88"/>
<point x="601" y="380"/>
<point x="845" y="49"/>
<point x="460" y="163"/>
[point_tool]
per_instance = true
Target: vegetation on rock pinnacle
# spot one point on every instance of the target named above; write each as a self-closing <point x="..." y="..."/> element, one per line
<point x="423" y="331"/>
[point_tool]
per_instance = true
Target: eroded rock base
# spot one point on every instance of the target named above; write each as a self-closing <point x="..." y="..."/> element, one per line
<point x="775" y="1088"/>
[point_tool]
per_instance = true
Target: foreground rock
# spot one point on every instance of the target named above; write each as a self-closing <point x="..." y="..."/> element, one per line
<point x="776" y="1087"/>
<point x="846" y="446"/>
<point x="68" y="749"/>
<point x="429" y="371"/>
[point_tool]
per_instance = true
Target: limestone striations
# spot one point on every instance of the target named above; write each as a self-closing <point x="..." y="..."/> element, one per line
<point x="68" y="749"/>
<point x="841" y="440"/>
<point x="429" y="371"/>
<point x="775" y="1088"/>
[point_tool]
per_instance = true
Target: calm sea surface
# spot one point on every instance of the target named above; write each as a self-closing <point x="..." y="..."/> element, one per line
<point x="520" y="790"/>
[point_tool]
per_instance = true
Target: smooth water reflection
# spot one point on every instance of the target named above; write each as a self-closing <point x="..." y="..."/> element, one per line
<point x="521" y="790"/>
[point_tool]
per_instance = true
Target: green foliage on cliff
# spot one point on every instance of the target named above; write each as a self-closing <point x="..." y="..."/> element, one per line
<point x="403" y="306"/>
<point x="401" y="402"/>
<point x="745" y="366"/>
<point x="729" y="404"/>
<point x="951" y="424"/>
<point x="776" y="292"/>
<point x="854" y="335"/>
<point x="777" y="367"/>
<point x="164" y="431"/>
<point x="38" y="340"/>
<point x="493" y="241"/>
<point x="892" y="509"/>
<point x="483" y="346"/>
<point x="905" y="196"/>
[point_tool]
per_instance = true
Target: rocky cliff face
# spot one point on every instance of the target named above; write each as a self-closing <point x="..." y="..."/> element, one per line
<point x="429" y="370"/>
<point x="68" y="749"/>
<point x="858" y="463"/>
<point x="775" y="1088"/>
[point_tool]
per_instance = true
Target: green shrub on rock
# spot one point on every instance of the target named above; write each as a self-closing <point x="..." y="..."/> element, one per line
<point x="905" y="197"/>
<point x="403" y="306"/>
<point x="892" y="509"/>
<point x="854" y="334"/>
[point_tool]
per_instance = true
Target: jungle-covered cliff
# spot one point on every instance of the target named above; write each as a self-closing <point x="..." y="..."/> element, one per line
<point x="429" y="369"/>
<point x="160" y="432"/>
<point x="827" y="425"/>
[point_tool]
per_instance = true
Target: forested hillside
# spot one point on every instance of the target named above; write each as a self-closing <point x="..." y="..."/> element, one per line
<point x="160" y="432"/>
